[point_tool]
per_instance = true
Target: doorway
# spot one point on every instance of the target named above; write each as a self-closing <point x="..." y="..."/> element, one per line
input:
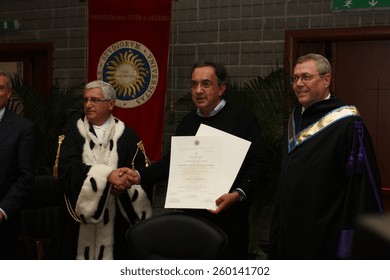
<point x="361" y="63"/>
<point x="35" y="62"/>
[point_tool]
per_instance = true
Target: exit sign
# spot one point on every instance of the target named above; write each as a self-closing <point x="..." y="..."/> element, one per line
<point x="360" y="5"/>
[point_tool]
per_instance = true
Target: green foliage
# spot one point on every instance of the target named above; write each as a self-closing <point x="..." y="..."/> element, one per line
<point x="268" y="98"/>
<point x="49" y="117"/>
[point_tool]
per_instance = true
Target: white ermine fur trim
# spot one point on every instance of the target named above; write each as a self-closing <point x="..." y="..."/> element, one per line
<point x="89" y="199"/>
<point x="141" y="205"/>
<point x="96" y="236"/>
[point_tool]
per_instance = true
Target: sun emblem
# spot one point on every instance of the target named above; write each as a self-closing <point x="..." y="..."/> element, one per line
<point x="132" y="70"/>
<point x="127" y="73"/>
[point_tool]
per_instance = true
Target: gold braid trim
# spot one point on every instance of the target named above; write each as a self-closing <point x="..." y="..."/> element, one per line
<point x="72" y="212"/>
<point x="140" y="147"/>
<point x="55" y="167"/>
<point x="55" y="174"/>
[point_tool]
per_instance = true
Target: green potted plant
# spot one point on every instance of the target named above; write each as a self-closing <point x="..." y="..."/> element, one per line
<point x="49" y="116"/>
<point x="268" y="98"/>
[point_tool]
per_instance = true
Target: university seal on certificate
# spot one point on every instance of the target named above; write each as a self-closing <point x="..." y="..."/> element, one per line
<point x="132" y="70"/>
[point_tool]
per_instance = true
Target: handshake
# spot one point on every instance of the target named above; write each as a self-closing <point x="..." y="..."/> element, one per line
<point x="122" y="179"/>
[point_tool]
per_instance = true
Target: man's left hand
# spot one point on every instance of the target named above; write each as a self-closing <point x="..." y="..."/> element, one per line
<point x="225" y="201"/>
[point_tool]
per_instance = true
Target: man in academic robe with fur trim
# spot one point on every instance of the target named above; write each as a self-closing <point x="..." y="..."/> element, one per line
<point x="95" y="156"/>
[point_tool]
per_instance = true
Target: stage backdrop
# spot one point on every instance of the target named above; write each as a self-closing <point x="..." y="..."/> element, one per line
<point x="128" y="43"/>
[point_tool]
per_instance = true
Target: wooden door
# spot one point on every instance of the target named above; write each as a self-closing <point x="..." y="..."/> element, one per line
<point x="37" y="61"/>
<point x="361" y="63"/>
<point x="362" y="78"/>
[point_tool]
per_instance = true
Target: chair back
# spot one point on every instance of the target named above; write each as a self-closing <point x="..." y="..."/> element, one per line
<point x="175" y="235"/>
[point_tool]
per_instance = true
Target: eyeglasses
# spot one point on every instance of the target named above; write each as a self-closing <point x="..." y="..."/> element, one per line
<point x="304" y="78"/>
<point x="203" y="84"/>
<point x="93" y="100"/>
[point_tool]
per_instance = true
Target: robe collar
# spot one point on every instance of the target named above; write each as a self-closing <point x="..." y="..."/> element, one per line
<point x="296" y="139"/>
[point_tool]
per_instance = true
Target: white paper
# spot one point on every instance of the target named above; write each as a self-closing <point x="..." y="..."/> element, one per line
<point x="199" y="185"/>
<point x="195" y="172"/>
<point x="234" y="150"/>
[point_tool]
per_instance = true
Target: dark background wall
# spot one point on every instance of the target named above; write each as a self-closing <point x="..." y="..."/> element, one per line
<point x="245" y="35"/>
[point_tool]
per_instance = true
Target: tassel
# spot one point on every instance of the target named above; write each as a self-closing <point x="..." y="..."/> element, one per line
<point x="350" y="164"/>
<point x="360" y="161"/>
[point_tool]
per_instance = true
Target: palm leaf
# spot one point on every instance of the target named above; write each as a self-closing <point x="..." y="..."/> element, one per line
<point x="48" y="116"/>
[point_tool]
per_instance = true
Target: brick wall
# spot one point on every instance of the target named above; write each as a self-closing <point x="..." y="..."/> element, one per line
<point x="248" y="35"/>
<point x="245" y="35"/>
<point x="62" y="22"/>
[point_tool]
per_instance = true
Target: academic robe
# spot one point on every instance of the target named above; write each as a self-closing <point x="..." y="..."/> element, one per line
<point x="84" y="166"/>
<point x="324" y="186"/>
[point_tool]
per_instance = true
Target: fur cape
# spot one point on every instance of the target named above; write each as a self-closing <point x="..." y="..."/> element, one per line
<point x="95" y="206"/>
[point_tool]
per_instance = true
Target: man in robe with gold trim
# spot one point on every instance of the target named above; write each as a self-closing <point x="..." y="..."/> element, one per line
<point x="329" y="174"/>
<point x="95" y="156"/>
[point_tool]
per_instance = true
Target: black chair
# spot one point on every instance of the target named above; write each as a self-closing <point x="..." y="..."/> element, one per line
<point x="175" y="236"/>
<point x="42" y="220"/>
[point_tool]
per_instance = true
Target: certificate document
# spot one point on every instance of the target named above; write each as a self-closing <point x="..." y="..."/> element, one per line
<point x="203" y="167"/>
<point x="195" y="172"/>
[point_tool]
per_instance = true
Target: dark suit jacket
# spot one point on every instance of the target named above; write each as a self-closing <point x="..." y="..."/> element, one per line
<point x="17" y="170"/>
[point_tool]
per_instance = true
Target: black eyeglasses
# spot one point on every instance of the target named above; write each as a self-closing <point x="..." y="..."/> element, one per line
<point x="203" y="84"/>
<point x="93" y="100"/>
<point x="304" y="77"/>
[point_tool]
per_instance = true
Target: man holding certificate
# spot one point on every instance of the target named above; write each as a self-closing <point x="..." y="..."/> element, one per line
<point x="209" y="84"/>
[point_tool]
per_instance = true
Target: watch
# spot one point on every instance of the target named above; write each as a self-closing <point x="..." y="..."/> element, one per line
<point x="241" y="193"/>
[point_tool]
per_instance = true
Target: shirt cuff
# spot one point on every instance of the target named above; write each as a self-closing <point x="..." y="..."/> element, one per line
<point x="139" y="176"/>
<point x="241" y="193"/>
<point x="5" y="215"/>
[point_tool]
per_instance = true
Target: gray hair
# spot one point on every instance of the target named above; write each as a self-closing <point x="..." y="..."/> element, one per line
<point x="8" y="76"/>
<point x="107" y="89"/>
<point x="322" y="63"/>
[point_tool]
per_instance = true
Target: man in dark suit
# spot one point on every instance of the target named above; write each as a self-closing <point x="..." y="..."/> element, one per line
<point x="17" y="169"/>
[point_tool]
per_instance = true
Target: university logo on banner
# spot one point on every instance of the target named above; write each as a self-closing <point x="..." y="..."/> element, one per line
<point x="128" y="45"/>
<point x="132" y="70"/>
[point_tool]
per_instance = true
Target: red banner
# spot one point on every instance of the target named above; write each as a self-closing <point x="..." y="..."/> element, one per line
<point x="128" y="43"/>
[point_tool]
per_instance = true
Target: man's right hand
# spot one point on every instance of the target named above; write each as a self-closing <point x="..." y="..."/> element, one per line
<point x="133" y="175"/>
<point x="120" y="179"/>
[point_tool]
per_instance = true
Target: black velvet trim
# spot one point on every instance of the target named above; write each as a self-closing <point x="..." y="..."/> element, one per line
<point x="86" y="253"/>
<point x="128" y="208"/>
<point x="83" y="219"/>
<point x="135" y="196"/>
<point x="101" y="252"/>
<point x="106" y="217"/>
<point x="101" y="203"/>
<point x="91" y="144"/>
<point x="93" y="184"/>
<point x="111" y="144"/>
